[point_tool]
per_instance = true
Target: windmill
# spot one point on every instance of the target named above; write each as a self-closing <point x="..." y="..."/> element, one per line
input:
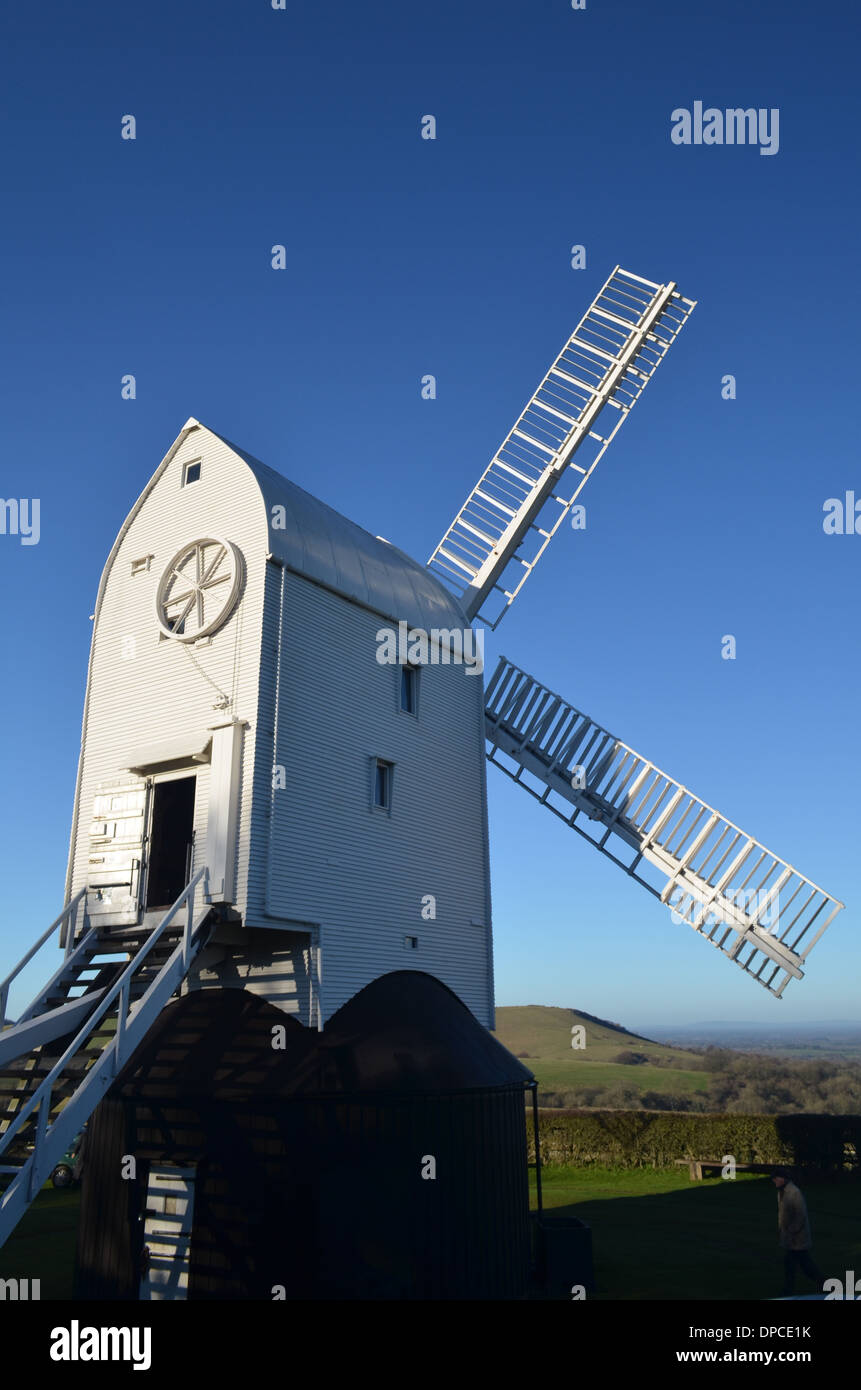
<point x="744" y="899"/>
<point x="259" y="832"/>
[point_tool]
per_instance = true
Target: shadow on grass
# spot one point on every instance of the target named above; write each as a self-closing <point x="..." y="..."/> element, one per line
<point x="714" y="1239"/>
<point x="703" y="1240"/>
<point x="43" y="1244"/>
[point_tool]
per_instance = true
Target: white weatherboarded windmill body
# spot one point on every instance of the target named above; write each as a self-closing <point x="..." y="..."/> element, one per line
<point x="237" y="719"/>
<point x="266" y="803"/>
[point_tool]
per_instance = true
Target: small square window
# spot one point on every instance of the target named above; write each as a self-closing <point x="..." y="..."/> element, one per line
<point x="411" y="943"/>
<point x="382" y="773"/>
<point x="410" y="689"/>
<point x="191" y="473"/>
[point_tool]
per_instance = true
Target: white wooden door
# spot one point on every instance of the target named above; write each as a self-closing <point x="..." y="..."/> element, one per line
<point x="116" y="852"/>
<point x="167" y="1232"/>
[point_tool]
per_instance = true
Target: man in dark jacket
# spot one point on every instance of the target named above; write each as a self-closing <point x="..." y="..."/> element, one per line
<point x="794" y="1231"/>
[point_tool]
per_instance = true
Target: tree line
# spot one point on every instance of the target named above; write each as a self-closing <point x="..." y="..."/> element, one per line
<point x="743" y="1083"/>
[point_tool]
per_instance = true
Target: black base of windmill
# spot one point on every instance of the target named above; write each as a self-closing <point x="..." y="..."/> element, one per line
<point x="384" y="1158"/>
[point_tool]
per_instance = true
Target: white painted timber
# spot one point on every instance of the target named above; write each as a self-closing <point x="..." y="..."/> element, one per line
<point x="47" y="1120"/>
<point x="224" y="791"/>
<point x="509" y="518"/>
<point x="168" y="1221"/>
<point x="148" y="692"/>
<point x="152" y="756"/>
<point x="743" y="898"/>
<point x="354" y="875"/>
<point x="289" y="677"/>
<point x="44" y="1027"/>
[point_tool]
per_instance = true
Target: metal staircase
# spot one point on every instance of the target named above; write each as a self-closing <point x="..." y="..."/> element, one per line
<point x="741" y="897"/>
<point x="67" y="1048"/>
<point x="509" y="518"/>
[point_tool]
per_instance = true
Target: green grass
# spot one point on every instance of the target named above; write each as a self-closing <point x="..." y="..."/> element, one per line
<point x="657" y="1235"/>
<point x="43" y="1244"/>
<point x="561" y="1076"/>
<point x="544" y="1034"/>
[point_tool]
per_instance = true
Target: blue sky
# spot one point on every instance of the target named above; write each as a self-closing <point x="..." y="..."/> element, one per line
<point x="451" y="257"/>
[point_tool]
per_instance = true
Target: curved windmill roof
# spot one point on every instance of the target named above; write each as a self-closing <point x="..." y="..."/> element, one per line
<point x="324" y="546"/>
<point x="405" y="1033"/>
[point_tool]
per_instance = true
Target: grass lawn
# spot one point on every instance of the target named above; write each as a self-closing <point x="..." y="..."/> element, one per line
<point x="657" y="1235"/>
<point x="43" y="1244"/>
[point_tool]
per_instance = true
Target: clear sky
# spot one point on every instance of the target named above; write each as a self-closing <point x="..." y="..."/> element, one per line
<point x="452" y="257"/>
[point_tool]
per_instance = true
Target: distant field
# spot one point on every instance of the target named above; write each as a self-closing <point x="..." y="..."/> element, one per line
<point x="559" y="1076"/>
<point x="817" y="1042"/>
<point x="544" y="1034"/>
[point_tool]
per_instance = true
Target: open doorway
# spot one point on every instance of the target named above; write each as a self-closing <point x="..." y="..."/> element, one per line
<point x="170" y="842"/>
<point x="168" y="1221"/>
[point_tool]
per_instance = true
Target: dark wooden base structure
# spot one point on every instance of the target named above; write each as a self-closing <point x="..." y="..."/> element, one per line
<point x="309" y="1151"/>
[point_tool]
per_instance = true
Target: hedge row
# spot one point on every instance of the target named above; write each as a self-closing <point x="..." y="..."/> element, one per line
<point x="645" y="1138"/>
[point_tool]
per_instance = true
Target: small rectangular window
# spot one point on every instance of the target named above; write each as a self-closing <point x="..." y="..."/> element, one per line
<point x="382" y="774"/>
<point x="411" y="943"/>
<point x="409" y="689"/>
<point x="141" y="565"/>
<point x="191" y="473"/>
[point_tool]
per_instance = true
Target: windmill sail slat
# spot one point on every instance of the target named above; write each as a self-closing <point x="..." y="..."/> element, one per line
<point x="607" y="361"/>
<point x="744" y="899"/>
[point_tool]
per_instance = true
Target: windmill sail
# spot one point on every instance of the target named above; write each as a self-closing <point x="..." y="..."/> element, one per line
<point x="506" y="523"/>
<point x="741" y="897"/>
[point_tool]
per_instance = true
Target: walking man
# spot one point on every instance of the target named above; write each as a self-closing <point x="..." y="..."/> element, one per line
<point x="794" y="1231"/>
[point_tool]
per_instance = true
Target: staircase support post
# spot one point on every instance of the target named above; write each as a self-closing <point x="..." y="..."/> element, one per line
<point x="41" y="1131"/>
<point x="122" y="1014"/>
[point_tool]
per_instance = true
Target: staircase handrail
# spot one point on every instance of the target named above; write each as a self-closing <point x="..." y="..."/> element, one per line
<point x="71" y="906"/>
<point x="41" y="1096"/>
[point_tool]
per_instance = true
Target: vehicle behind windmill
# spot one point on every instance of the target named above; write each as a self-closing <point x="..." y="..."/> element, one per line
<point x="267" y="822"/>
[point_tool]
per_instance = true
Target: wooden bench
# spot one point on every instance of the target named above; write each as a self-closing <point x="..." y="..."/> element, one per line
<point x="696" y="1166"/>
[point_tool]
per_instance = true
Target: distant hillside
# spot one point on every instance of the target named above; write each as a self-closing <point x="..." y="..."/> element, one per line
<point x="622" y="1070"/>
<point x="837" y="1040"/>
<point x="541" y="1037"/>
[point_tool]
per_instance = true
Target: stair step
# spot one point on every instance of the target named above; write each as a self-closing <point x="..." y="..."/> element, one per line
<point x="76" y="1089"/>
<point x="133" y="937"/>
<point x="54" y="1001"/>
<point x="36" y="1073"/>
<point x="62" y="1083"/>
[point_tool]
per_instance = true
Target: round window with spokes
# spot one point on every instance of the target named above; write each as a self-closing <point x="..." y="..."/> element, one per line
<point x="199" y="589"/>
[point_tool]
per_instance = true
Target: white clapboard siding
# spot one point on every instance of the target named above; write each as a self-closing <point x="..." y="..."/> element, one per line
<point x="159" y="693"/>
<point x="356" y="873"/>
<point x="278" y="966"/>
<point x="337" y="886"/>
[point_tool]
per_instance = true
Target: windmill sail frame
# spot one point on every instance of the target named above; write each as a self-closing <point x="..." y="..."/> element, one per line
<point x="512" y="514"/>
<point x="739" y="895"/>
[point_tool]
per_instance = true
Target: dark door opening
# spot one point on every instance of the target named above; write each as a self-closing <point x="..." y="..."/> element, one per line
<point x="170" y="841"/>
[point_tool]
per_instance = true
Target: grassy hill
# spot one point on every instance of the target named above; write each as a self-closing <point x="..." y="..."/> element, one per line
<point x="541" y="1037"/>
